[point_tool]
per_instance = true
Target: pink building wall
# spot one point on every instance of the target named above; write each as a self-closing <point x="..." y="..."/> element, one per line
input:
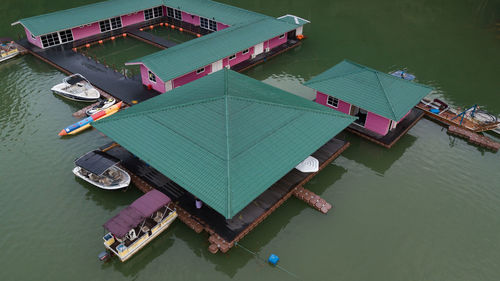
<point x="374" y="122"/>
<point x="240" y="57"/>
<point x="158" y="86"/>
<point x="276" y="41"/>
<point x="35" y="41"/>
<point x="133" y="18"/>
<point x="86" y="31"/>
<point x="343" y="106"/>
<point x="189" y="18"/>
<point x="179" y="81"/>
<point x="221" y="26"/>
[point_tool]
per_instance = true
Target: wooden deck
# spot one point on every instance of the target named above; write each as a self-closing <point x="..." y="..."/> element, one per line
<point x="225" y="233"/>
<point x="474" y="138"/>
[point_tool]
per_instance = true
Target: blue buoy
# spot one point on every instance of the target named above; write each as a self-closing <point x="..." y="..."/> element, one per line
<point x="273" y="259"/>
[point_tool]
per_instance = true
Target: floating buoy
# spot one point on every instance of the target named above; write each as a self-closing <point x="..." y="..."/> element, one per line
<point x="273" y="259"/>
<point x="300" y="36"/>
<point x="100" y="41"/>
<point x="134" y="101"/>
<point x="87" y="45"/>
<point x="141" y="29"/>
<point x="113" y="38"/>
<point x="74" y="49"/>
<point x="124" y="34"/>
<point x="166" y="24"/>
<point x="150" y="87"/>
<point x="198" y="35"/>
<point x="161" y="23"/>
<point x="180" y="29"/>
<point x="172" y="26"/>
<point x="151" y="26"/>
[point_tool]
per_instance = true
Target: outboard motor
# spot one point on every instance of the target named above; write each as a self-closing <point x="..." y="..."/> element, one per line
<point x="104" y="256"/>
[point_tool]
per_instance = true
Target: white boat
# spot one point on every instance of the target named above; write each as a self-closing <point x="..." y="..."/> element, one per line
<point x="8" y="51"/>
<point x="101" y="106"/>
<point x="138" y="224"/>
<point x="101" y="170"/>
<point x="77" y="88"/>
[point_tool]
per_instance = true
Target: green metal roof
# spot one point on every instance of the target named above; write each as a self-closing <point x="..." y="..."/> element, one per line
<point x="65" y="19"/>
<point x="294" y="19"/>
<point x="372" y="90"/>
<point x="225" y="138"/>
<point x="189" y="56"/>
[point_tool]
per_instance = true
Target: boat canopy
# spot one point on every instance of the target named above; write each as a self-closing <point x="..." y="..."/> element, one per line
<point x="96" y="162"/>
<point x="72" y="80"/>
<point x="134" y="214"/>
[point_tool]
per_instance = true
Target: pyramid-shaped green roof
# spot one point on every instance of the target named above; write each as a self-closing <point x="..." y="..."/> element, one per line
<point x="375" y="91"/>
<point x="225" y="138"/>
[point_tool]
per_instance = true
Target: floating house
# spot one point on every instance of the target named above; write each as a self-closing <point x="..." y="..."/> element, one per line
<point x="176" y="66"/>
<point x="384" y="104"/>
<point x="227" y="140"/>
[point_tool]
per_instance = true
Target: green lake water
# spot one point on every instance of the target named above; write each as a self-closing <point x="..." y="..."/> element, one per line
<point x="427" y="209"/>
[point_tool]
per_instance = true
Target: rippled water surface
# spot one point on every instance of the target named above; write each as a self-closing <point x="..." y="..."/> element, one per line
<point x="427" y="209"/>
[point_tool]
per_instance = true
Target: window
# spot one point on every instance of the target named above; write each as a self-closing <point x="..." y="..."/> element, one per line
<point x="66" y="36"/>
<point x="245" y="52"/>
<point x="334" y="102"/>
<point x="232" y="57"/>
<point x="158" y="12"/>
<point x="33" y="36"/>
<point x="282" y="36"/>
<point x="50" y="39"/>
<point x="151" y="76"/>
<point x="208" y="24"/>
<point x="174" y="13"/>
<point x="201" y="70"/>
<point x="105" y="25"/>
<point x="116" y="23"/>
<point x="148" y="14"/>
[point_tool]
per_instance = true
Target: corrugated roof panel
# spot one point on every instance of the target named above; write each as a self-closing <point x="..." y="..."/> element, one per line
<point x="225" y="145"/>
<point x="189" y="56"/>
<point x="375" y="91"/>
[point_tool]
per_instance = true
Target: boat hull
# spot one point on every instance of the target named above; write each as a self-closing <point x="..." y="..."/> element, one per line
<point x="8" y="57"/>
<point x="59" y="90"/>
<point x="125" y="183"/>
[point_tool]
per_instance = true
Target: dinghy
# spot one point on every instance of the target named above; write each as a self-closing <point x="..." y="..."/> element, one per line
<point x="101" y="170"/>
<point x="101" y="106"/>
<point x="77" y="88"/>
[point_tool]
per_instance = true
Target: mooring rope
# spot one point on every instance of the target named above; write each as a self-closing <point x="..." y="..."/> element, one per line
<point x="265" y="261"/>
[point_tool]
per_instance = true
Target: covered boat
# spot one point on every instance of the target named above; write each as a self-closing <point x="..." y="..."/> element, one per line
<point x="135" y="226"/>
<point x="77" y="88"/>
<point x="101" y="170"/>
<point x="7" y="51"/>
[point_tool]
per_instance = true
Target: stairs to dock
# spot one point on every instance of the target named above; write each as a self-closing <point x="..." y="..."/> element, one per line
<point x="312" y="199"/>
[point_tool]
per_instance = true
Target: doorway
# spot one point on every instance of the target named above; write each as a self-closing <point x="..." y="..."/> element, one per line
<point x="360" y="113"/>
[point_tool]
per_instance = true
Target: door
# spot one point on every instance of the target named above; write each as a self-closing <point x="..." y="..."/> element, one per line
<point x="216" y="66"/>
<point x="360" y="113"/>
<point x="258" y="49"/>
<point x="168" y="85"/>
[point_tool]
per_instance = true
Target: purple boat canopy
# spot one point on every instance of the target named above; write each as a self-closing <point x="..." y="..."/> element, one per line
<point x="134" y="214"/>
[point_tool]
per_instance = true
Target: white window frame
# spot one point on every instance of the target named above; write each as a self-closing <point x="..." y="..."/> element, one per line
<point x="208" y="25"/>
<point x="334" y="100"/>
<point x="33" y="36"/>
<point x="200" y="70"/>
<point x="109" y="23"/>
<point x="151" y="74"/>
<point x="245" y="51"/>
<point x="232" y="57"/>
<point x="282" y="36"/>
<point x="53" y="35"/>
<point x="60" y="38"/>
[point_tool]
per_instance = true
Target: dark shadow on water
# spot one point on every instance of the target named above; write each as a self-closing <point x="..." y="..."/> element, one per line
<point x="374" y="156"/>
<point x="109" y="199"/>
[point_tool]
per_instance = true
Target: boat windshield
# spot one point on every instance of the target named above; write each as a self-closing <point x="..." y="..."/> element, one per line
<point x="72" y="80"/>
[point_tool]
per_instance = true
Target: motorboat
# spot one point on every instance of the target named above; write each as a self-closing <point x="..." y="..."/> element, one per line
<point x="77" y="88"/>
<point x="100" y="169"/>
<point x="8" y="51"/>
<point x="403" y="75"/>
<point x="138" y="224"/>
<point x="103" y="104"/>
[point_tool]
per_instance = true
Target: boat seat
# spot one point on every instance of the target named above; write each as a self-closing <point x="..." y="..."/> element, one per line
<point x="158" y="217"/>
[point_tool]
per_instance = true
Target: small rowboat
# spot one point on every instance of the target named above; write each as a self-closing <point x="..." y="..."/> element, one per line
<point x="85" y="123"/>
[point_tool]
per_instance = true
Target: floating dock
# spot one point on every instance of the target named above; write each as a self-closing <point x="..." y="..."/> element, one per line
<point x="473" y="138"/>
<point x="223" y="234"/>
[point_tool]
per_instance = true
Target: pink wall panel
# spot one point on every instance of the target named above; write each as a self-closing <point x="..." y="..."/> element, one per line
<point x="377" y="123"/>
<point x="133" y="18"/>
<point x="86" y="31"/>
<point x="35" y="41"/>
<point x="158" y="86"/>
<point x="179" y="81"/>
<point x="276" y="41"/>
<point x="240" y="57"/>
<point x="192" y="19"/>
<point x="221" y="26"/>
<point x="342" y="106"/>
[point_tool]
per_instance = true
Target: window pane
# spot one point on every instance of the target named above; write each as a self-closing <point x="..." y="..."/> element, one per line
<point x="116" y="23"/>
<point x="148" y="14"/>
<point x="170" y="12"/>
<point x="178" y="14"/>
<point x="212" y="25"/>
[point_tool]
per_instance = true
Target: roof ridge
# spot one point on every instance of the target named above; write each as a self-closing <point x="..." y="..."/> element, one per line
<point x="391" y="107"/>
<point x="327" y="112"/>
<point x="326" y="78"/>
<point x="228" y="156"/>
